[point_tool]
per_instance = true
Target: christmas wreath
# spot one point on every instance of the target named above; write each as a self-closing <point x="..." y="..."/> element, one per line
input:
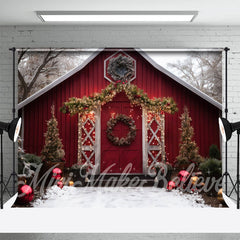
<point x="124" y="141"/>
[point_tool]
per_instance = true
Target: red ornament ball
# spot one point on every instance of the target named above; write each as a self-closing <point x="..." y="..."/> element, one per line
<point x="25" y="194"/>
<point x="57" y="173"/>
<point x="60" y="184"/>
<point x="171" y="185"/>
<point x="183" y="175"/>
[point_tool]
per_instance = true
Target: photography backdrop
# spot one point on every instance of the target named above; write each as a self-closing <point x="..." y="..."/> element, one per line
<point x="80" y="73"/>
<point x="114" y="36"/>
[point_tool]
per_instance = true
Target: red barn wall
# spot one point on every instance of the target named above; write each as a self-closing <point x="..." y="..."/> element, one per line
<point x="91" y="79"/>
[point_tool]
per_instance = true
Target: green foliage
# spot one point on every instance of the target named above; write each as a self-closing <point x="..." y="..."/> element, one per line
<point x="29" y="164"/>
<point x="53" y="148"/>
<point x="31" y="158"/>
<point x="136" y="96"/>
<point x="211" y="168"/>
<point x="188" y="150"/>
<point x="214" y="152"/>
<point x="182" y="161"/>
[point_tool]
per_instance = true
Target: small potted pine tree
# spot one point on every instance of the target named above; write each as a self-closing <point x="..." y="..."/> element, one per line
<point x="212" y="168"/>
<point x="214" y="152"/>
<point x="188" y="149"/>
<point x="52" y="153"/>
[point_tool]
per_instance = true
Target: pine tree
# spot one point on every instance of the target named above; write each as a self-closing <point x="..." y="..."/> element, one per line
<point x="53" y="149"/>
<point x="188" y="150"/>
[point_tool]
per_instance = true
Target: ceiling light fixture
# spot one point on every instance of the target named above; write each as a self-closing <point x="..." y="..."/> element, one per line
<point x="117" y="16"/>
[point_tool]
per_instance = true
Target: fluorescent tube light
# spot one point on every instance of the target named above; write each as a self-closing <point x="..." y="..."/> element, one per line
<point x="118" y="16"/>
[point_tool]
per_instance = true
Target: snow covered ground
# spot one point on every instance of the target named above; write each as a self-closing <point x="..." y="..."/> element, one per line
<point x="119" y="197"/>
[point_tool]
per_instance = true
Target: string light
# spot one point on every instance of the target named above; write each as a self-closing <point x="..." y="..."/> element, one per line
<point x="113" y="114"/>
<point x="151" y="118"/>
<point x="157" y="141"/>
<point x="79" y="160"/>
<point x="136" y="96"/>
<point x="87" y="120"/>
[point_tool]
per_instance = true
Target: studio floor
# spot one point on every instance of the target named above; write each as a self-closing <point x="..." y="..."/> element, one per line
<point x="120" y="220"/>
<point x="62" y="213"/>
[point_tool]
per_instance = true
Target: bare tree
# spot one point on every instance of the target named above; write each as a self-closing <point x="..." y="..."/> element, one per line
<point x="203" y="71"/>
<point x="44" y="65"/>
<point x="37" y="69"/>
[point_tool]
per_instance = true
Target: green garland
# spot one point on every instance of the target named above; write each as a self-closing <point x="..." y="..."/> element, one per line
<point x="136" y="96"/>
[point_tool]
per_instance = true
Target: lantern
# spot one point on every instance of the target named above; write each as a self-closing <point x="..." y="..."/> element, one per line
<point x="220" y="196"/>
<point x="194" y="180"/>
<point x="71" y="183"/>
<point x="57" y="173"/>
<point x="171" y="185"/>
<point x="25" y="193"/>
